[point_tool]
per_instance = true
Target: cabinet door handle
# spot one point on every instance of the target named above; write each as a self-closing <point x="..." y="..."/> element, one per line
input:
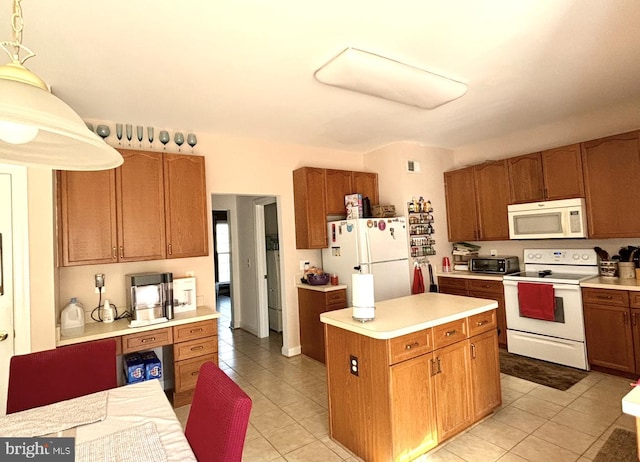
<point x="439" y="368"/>
<point x="604" y="297"/>
<point x="473" y="351"/>
<point x="121" y="251"/>
<point x="625" y="318"/>
<point x="193" y="331"/>
<point x="482" y="323"/>
<point x="450" y="333"/>
<point x="148" y="339"/>
<point x="197" y="348"/>
<point x="194" y="373"/>
<point x="433" y="367"/>
<point x="411" y="345"/>
<point x="634" y="319"/>
<point x="170" y="249"/>
<point x="114" y="254"/>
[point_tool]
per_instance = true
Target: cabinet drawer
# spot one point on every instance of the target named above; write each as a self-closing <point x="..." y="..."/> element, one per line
<point x="449" y="333"/>
<point x="452" y="283"/>
<point x="410" y="345"/>
<point x="483" y="322"/>
<point x="634" y="299"/>
<point x="195" y="330"/>
<point x="482" y="285"/>
<point x="186" y="372"/>
<point x="146" y="340"/>
<point x="335" y="297"/>
<point x="605" y="296"/>
<point x="194" y="348"/>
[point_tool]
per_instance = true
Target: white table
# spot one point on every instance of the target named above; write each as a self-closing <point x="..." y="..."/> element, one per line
<point x="130" y="406"/>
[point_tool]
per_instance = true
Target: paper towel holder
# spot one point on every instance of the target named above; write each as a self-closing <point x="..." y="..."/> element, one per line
<point x="362" y="313"/>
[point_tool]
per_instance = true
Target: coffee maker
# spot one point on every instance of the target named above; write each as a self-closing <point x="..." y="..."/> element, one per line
<point x="150" y="296"/>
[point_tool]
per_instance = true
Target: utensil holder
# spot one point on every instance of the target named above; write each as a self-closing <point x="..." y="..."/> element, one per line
<point x="608" y="268"/>
<point x="626" y="270"/>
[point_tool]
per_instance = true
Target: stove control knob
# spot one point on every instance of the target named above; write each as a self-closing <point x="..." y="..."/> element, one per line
<point x="576" y="256"/>
<point x="529" y="256"/>
<point x="585" y="256"/>
<point x="538" y="256"/>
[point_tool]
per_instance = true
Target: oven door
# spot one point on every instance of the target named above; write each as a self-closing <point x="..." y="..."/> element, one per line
<point x="568" y="323"/>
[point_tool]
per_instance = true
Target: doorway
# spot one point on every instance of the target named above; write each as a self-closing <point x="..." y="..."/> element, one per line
<point x="222" y="264"/>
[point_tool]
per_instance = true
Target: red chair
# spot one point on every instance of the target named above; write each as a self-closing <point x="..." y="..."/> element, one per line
<point x="46" y="377"/>
<point x="219" y="416"/>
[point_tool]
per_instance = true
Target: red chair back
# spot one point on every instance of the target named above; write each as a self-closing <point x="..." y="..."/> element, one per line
<point x="45" y="377"/>
<point x="219" y="416"/>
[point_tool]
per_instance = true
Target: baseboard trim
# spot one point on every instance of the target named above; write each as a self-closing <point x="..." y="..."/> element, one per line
<point x="295" y="351"/>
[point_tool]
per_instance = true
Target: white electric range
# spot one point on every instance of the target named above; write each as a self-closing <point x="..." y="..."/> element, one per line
<point x="561" y="340"/>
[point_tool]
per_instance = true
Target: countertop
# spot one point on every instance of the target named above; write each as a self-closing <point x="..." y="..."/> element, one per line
<point x="324" y="288"/>
<point x="599" y="282"/>
<point x="100" y="330"/>
<point x="470" y="275"/>
<point x="631" y="402"/>
<point x="405" y="315"/>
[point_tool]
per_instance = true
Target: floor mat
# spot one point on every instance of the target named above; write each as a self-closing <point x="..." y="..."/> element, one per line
<point x="621" y="446"/>
<point x="542" y="372"/>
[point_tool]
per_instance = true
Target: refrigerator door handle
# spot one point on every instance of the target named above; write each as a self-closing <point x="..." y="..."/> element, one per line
<point x="367" y="243"/>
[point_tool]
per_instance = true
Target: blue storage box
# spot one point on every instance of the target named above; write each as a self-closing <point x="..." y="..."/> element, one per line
<point x="152" y="365"/>
<point x="133" y="368"/>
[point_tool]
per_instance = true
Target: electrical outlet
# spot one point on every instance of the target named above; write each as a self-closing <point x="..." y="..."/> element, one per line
<point x="354" y="365"/>
<point x="494" y="252"/>
<point x="99" y="282"/>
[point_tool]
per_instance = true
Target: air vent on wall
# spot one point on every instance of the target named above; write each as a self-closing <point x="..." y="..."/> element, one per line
<point x="413" y="166"/>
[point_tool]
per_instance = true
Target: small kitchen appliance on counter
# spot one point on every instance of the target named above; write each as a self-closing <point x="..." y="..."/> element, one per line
<point x="494" y="265"/>
<point x="150" y="297"/>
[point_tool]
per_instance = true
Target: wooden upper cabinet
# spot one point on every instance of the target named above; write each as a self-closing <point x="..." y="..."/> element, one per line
<point x="310" y="208"/>
<point x="492" y="198"/>
<point x="611" y="172"/>
<point x="526" y="179"/>
<point x="338" y="184"/>
<point x="86" y="217"/>
<point x="462" y="219"/>
<point x="366" y="183"/>
<point x="562" y="170"/>
<point x="185" y="206"/>
<point x="140" y="206"/>
<point x="548" y="175"/>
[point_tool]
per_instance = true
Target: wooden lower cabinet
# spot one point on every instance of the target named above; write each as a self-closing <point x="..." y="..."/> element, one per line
<point x="453" y="389"/>
<point x="311" y="304"/>
<point x="479" y="288"/>
<point x="414" y="424"/>
<point x="408" y="394"/>
<point x="611" y="327"/>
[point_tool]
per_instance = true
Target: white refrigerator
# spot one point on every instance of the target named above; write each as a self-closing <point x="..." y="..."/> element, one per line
<point x="377" y="246"/>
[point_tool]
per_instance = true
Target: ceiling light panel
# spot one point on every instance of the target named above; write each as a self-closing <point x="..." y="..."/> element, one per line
<point x="375" y="75"/>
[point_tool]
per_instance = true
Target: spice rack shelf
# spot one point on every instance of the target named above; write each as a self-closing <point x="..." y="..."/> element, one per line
<point x="421" y="228"/>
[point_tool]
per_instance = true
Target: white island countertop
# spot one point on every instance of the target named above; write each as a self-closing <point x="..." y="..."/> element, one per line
<point x="405" y="315"/>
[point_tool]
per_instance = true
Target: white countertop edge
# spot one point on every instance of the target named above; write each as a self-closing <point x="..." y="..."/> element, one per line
<point x="470" y="275"/>
<point x="631" y="402"/>
<point x="100" y="331"/>
<point x="600" y="282"/>
<point x="381" y="333"/>
<point x="323" y="288"/>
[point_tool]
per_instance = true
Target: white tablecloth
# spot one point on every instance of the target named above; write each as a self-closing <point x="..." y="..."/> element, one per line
<point x="136" y="404"/>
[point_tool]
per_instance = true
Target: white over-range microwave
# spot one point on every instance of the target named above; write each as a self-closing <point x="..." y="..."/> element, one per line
<point x="548" y="220"/>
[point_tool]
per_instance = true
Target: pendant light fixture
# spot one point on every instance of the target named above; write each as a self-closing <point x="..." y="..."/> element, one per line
<point x="37" y="129"/>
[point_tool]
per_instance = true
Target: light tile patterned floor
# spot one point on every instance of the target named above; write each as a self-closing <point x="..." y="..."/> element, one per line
<point x="289" y="417"/>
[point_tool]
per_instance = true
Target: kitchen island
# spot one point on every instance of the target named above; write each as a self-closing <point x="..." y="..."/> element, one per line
<point x="423" y="370"/>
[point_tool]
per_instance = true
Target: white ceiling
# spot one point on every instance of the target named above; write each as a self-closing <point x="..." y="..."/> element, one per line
<point x="245" y="68"/>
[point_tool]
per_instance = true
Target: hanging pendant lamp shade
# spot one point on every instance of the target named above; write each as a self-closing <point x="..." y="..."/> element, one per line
<point x="37" y="129"/>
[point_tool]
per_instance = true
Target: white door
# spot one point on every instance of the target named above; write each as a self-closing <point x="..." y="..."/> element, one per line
<point x="6" y="286"/>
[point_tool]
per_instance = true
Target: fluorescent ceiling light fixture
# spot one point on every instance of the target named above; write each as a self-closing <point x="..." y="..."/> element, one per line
<point x="375" y="75"/>
<point x="36" y="128"/>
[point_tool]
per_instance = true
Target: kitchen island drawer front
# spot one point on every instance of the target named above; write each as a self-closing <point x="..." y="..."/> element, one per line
<point x="146" y="340"/>
<point x="482" y="322"/>
<point x="481" y="285"/>
<point x="605" y="296"/>
<point x="186" y="372"/>
<point x="195" y="330"/>
<point x="336" y="297"/>
<point x="453" y="283"/>
<point x="450" y="333"/>
<point x="634" y="299"/>
<point x="194" y="348"/>
<point x="410" y="346"/>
